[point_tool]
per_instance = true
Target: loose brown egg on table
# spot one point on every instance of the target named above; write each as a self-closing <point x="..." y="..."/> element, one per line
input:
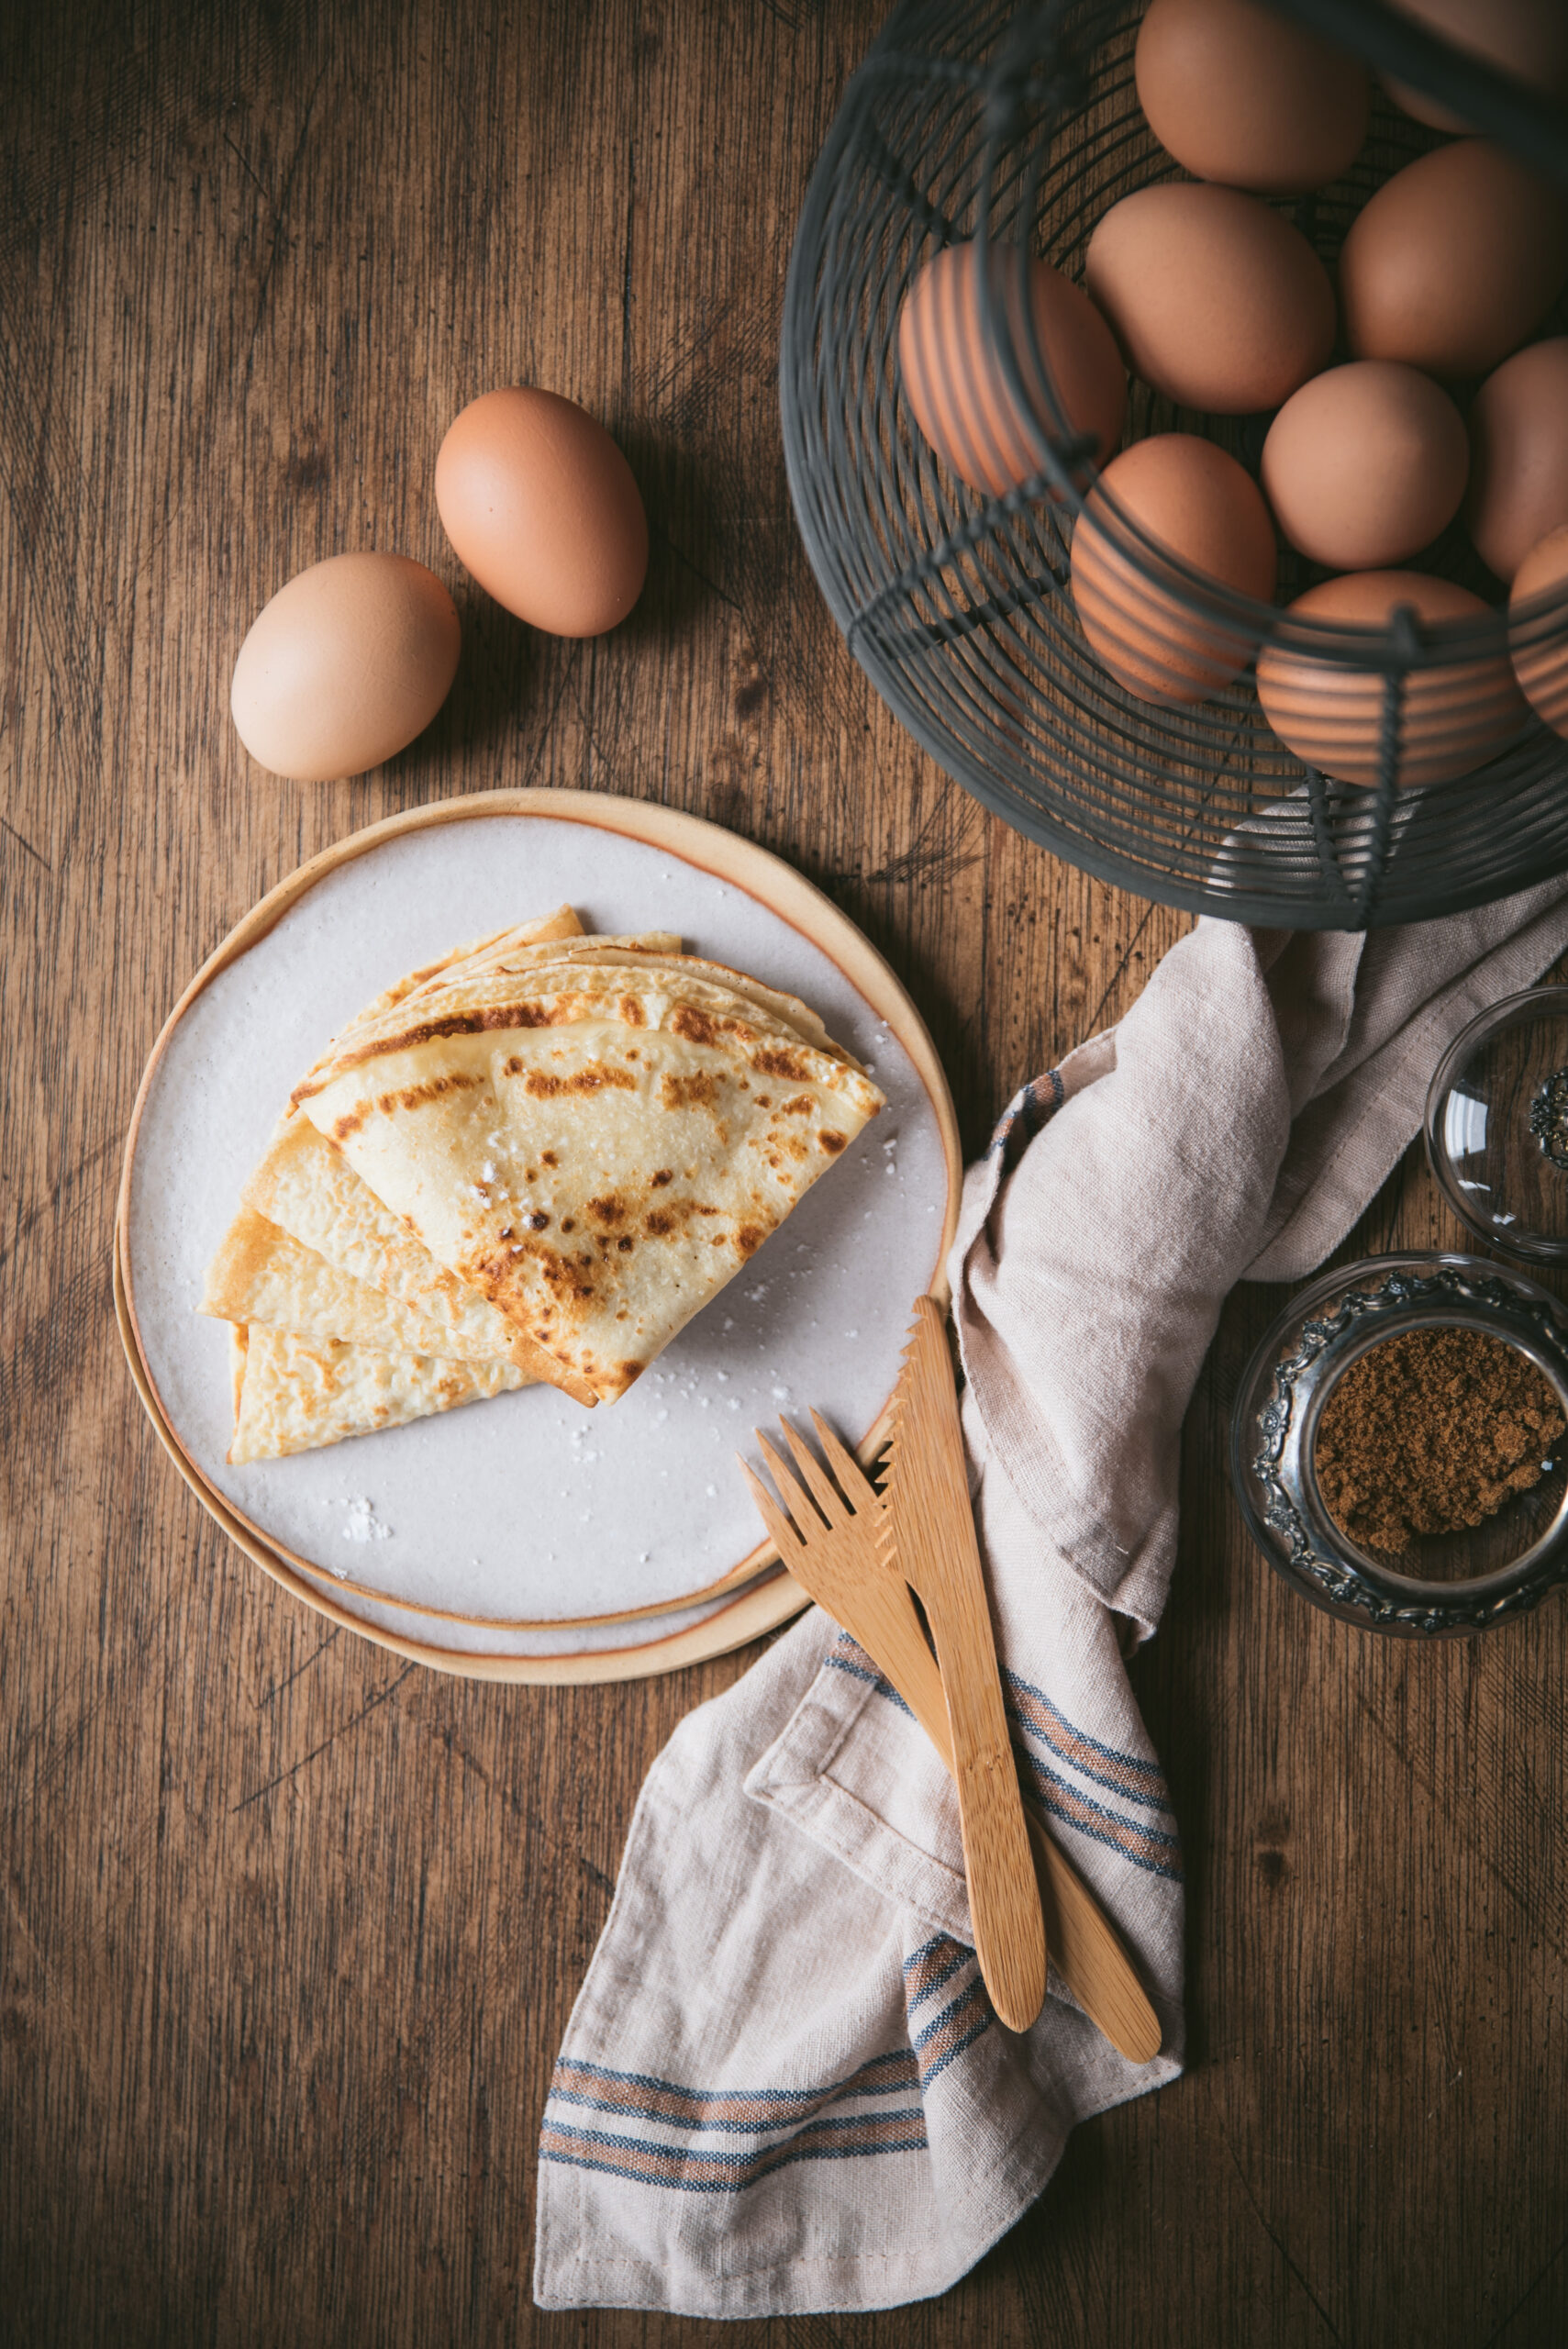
<point x="1215" y="300"/>
<point x="1454" y="260"/>
<point x="1539" y="642"/>
<point x="1236" y="94"/>
<point x="1365" y="465"/>
<point x="1528" y="39"/>
<point x="1455" y="716"/>
<point x="344" y="666"/>
<point x="1201" y="507"/>
<point x="540" y="506"/>
<point x="1518" y="437"/>
<point x="954" y="378"/>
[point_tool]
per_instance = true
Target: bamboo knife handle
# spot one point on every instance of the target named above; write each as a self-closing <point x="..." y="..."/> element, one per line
<point x="929" y="1526"/>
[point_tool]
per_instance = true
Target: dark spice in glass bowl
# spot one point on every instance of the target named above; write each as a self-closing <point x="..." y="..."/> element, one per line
<point x="1430" y="1432"/>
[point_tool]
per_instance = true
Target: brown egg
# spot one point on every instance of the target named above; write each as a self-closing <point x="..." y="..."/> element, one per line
<point x="1365" y="465"/>
<point x="1519" y="470"/>
<point x="1528" y="39"/>
<point x="541" y="507"/>
<point x="953" y="379"/>
<point x="1216" y="301"/>
<point x="1454" y="260"/>
<point x="1236" y="94"/>
<point x="1137" y="608"/>
<point x="344" y="666"/>
<point x="1540" y="640"/>
<point x="1454" y="717"/>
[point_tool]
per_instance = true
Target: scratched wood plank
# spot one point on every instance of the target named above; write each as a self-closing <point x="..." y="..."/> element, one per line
<point x="290" y="1932"/>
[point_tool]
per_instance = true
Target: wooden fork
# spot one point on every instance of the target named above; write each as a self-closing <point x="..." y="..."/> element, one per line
<point x="827" y="1548"/>
<point x="832" y="1550"/>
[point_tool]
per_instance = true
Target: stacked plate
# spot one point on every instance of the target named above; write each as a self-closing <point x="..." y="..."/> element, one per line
<point x="524" y="1537"/>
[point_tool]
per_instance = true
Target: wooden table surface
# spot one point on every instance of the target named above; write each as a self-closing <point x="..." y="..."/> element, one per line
<point x="290" y="1929"/>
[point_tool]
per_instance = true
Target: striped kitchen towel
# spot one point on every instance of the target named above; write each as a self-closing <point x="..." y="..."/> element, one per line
<point x="783" y="2087"/>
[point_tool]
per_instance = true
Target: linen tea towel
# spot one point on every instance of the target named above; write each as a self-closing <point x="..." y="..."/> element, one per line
<point x="781" y="2088"/>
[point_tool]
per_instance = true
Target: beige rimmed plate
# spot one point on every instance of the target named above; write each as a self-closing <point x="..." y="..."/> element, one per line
<point x="522" y="1520"/>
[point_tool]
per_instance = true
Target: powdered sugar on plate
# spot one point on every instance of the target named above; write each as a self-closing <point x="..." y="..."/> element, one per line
<point x="361" y="1524"/>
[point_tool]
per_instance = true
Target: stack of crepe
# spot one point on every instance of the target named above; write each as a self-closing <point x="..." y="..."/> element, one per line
<point x="529" y="1163"/>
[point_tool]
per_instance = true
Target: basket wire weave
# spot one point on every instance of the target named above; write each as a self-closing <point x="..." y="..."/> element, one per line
<point x="1018" y="128"/>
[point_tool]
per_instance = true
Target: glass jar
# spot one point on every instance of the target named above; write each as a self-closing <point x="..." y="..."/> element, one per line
<point x="1442" y="1584"/>
<point x="1496" y="1126"/>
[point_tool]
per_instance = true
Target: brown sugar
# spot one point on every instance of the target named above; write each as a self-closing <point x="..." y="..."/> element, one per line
<point x="1431" y="1432"/>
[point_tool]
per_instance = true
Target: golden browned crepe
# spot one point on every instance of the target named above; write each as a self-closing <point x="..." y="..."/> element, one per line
<point x="374" y="1313"/>
<point x="537" y="1156"/>
<point x="305" y="1187"/>
<point x="559" y="925"/>
<point x="295" y="1394"/>
<point x="262" y="1273"/>
<point x="493" y="981"/>
<point x="595" y="1136"/>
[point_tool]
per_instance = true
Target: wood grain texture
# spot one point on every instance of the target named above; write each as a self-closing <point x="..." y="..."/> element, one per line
<point x="290" y="1928"/>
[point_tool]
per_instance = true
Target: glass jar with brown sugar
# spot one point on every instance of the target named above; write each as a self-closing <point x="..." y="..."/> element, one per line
<point x="1398" y="1443"/>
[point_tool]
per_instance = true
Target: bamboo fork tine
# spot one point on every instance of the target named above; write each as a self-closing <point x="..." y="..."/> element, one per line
<point x="785" y="1536"/>
<point x="829" y="1498"/>
<point x="806" y="1516"/>
<point x="837" y="1564"/>
<point x="853" y="1482"/>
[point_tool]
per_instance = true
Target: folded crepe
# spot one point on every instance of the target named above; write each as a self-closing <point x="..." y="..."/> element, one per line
<point x="295" y="1394"/>
<point x="562" y="924"/>
<point x="352" y="1320"/>
<point x="593" y="1134"/>
<point x="306" y="1188"/>
<point x="536" y="1157"/>
<point x="263" y="1274"/>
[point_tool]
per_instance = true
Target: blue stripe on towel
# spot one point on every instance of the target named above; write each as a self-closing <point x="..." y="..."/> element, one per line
<point x="1146" y="1847"/>
<point x="854" y="2137"/>
<point x="640" y="2096"/>
<point x="958" y="2026"/>
<point x="927" y="1968"/>
<point x="1127" y="1774"/>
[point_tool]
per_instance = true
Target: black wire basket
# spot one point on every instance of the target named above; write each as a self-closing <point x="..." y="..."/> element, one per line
<point x="1016" y="129"/>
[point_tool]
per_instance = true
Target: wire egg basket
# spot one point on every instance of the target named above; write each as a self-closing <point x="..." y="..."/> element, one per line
<point x="1016" y="129"/>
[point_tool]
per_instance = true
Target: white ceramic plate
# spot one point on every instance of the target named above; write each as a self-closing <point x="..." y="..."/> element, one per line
<point x="526" y="1514"/>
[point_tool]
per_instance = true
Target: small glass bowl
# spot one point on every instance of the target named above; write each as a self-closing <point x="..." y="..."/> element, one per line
<point x="1498" y="1125"/>
<point x="1444" y="1583"/>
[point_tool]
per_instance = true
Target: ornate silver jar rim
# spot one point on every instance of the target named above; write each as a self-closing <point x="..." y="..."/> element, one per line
<point x="1273" y="1435"/>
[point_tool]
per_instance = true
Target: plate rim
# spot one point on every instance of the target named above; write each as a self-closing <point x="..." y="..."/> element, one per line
<point x="695" y="840"/>
<point x="747" y="1617"/>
